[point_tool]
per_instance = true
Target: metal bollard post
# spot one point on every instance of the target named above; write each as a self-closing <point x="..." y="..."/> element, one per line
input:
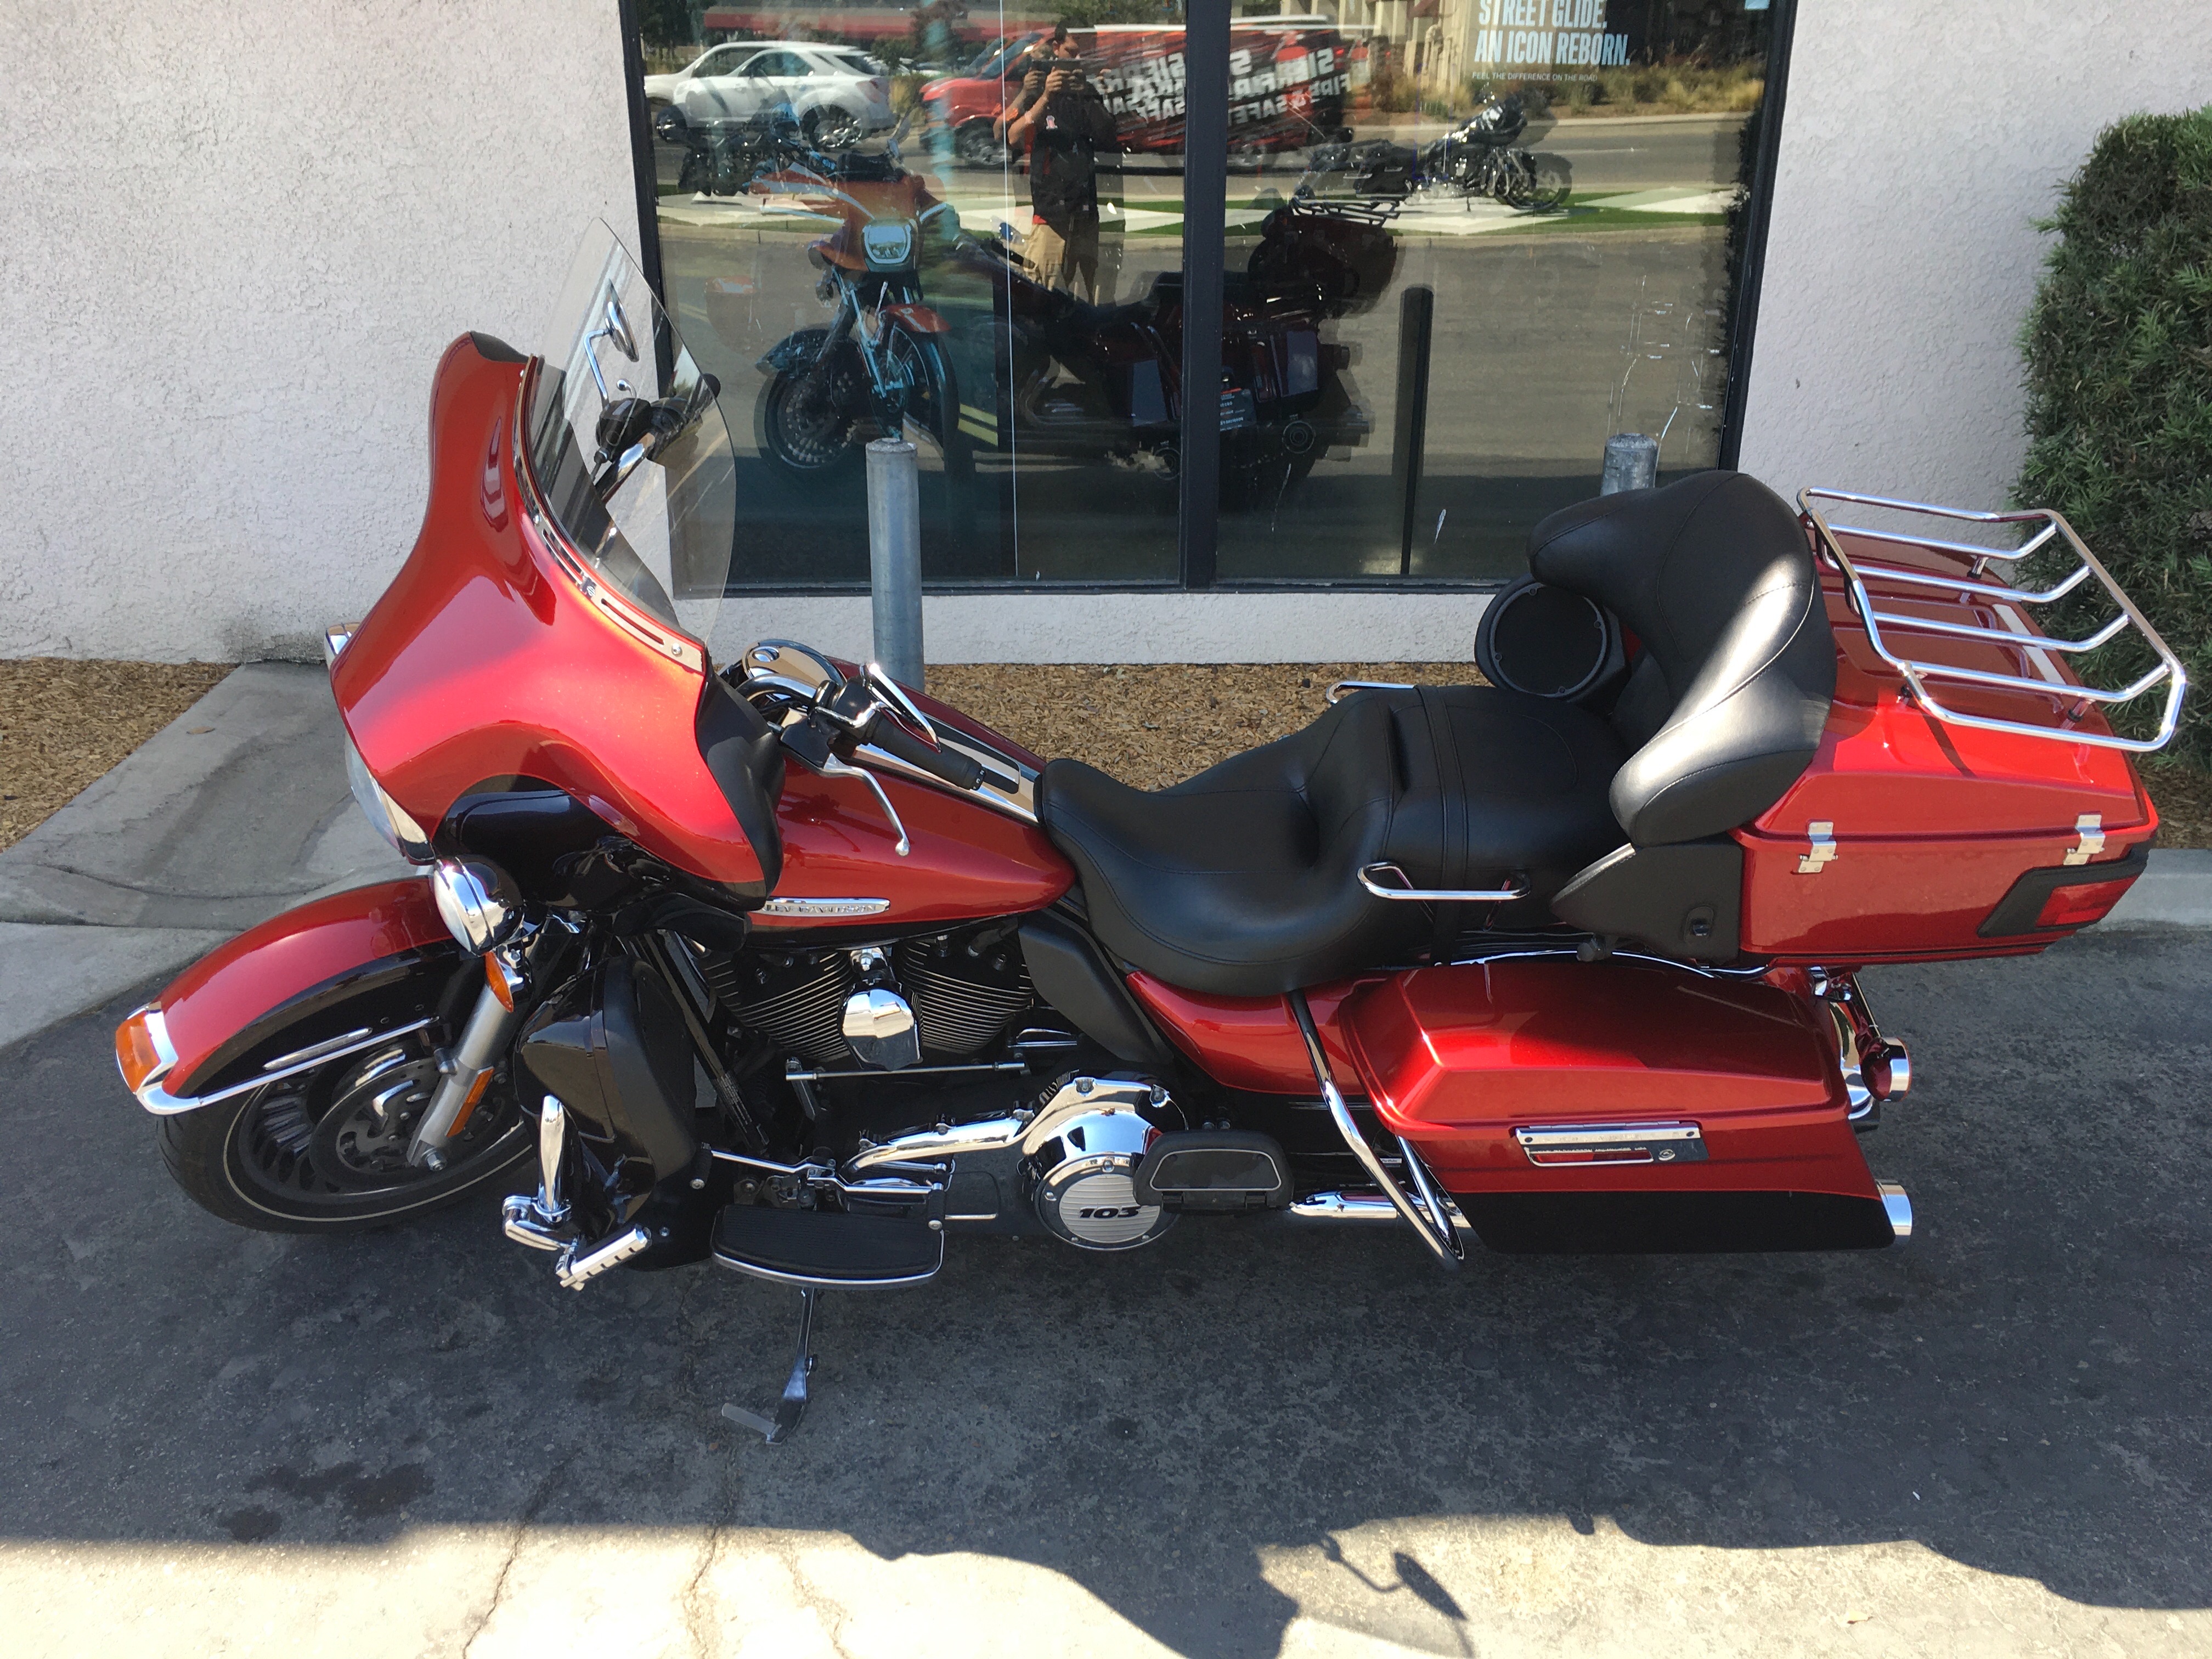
<point x="1632" y="462"/>
<point x="894" y="558"/>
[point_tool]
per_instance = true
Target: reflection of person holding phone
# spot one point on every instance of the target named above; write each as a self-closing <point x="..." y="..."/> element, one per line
<point x="1065" y="125"/>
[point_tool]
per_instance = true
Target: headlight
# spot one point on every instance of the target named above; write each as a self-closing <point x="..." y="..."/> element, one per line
<point x="388" y="817"/>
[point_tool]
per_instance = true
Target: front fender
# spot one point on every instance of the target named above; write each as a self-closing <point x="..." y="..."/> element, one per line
<point x="361" y="964"/>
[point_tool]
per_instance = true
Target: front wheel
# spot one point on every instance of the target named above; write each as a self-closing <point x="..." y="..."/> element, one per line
<point x="326" y="1151"/>
<point x="804" y="421"/>
<point x="830" y="128"/>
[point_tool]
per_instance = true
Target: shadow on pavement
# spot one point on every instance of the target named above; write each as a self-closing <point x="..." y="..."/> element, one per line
<point x="2022" y="1388"/>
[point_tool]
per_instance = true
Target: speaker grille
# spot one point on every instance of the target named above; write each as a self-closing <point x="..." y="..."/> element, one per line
<point x="1549" y="642"/>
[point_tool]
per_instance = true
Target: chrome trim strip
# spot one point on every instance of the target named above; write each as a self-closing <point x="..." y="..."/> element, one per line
<point x="658" y="635"/>
<point x="1435" y="896"/>
<point x="824" y="907"/>
<point x="336" y="638"/>
<point x="1431" y="1218"/>
<point x="159" y="1102"/>
<point x="1552" y="1146"/>
<point x="806" y="1282"/>
<point x="315" y="1051"/>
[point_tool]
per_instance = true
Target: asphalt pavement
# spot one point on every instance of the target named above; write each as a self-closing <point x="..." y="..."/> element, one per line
<point x="1240" y="1441"/>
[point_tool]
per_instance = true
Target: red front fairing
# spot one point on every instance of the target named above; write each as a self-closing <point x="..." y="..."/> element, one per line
<point x="484" y="662"/>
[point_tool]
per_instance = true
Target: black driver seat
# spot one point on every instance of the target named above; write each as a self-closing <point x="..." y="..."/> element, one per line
<point x="1243" y="881"/>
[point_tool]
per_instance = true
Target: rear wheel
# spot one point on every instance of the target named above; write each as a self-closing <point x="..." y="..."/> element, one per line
<point x="978" y="146"/>
<point x="326" y="1151"/>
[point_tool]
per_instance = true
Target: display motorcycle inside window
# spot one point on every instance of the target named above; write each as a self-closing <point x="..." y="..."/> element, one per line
<point x="777" y="965"/>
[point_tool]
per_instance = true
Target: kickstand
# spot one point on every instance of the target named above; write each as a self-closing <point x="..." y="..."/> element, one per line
<point x="793" y="1406"/>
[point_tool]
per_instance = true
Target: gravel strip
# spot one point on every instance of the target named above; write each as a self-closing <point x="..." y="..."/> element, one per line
<point x="1154" y="724"/>
<point x="63" y="723"/>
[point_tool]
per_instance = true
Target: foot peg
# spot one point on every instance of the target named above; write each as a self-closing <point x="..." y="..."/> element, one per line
<point x="793" y="1406"/>
<point x="574" y="1271"/>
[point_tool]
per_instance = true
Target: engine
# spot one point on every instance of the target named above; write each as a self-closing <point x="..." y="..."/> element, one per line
<point x="960" y="990"/>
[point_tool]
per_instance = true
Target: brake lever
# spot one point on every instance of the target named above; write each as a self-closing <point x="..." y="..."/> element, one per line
<point x="809" y="745"/>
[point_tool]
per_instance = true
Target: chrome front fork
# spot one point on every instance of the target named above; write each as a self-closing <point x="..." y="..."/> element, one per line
<point x="467" y="1068"/>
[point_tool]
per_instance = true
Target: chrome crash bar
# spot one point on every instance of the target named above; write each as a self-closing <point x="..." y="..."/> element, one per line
<point x="1432" y="1216"/>
<point x="2007" y="600"/>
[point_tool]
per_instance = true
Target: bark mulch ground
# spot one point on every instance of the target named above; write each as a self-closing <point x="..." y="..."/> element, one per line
<point x="63" y="723"/>
<point x="1154" y="724"/>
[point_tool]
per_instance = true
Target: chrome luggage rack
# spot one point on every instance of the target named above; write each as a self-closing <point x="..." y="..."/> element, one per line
<point x="2054" y="531"/>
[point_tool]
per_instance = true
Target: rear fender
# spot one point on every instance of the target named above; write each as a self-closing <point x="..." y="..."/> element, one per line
<point x="296" y="991"/>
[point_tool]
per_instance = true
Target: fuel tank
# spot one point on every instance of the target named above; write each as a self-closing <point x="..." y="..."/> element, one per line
<point x="964" y="859"/>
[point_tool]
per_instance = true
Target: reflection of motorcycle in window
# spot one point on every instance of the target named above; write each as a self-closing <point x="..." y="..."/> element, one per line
<point x="1071" y="380"/>
<point x="721" y="158"/>
<point x="1479" y="157"/>
<point x="882" y="359"/>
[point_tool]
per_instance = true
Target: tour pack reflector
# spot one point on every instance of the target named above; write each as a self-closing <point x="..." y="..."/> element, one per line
<point x="2079" y="906"/>
<point x="2064" y="894"/>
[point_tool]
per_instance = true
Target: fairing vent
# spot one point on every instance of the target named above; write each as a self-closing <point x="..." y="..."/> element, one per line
<point x="965" y="990"/>
<point x="797" y="1002"/>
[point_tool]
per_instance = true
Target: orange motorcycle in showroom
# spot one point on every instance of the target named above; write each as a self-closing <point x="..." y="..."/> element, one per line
<point x="778" y="964"/>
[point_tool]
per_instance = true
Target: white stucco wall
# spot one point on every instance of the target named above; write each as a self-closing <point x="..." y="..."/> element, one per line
<point x="1919" y="144"/>
<point x="234" y="237"/>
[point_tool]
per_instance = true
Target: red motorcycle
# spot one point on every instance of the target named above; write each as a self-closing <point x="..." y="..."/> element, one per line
<point x="786" y="965"/>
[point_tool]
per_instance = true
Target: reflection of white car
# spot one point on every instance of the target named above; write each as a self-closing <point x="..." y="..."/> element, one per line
<point x="838" y="95"/>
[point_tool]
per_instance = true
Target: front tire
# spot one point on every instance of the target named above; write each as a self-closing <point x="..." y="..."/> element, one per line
<point x="832" y="128"/>
<point x="325" y="1151"/>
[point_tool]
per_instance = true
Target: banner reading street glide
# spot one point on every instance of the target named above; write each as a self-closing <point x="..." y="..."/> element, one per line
<point x="1287" y="87"/>
<point x="1547" y="39"/>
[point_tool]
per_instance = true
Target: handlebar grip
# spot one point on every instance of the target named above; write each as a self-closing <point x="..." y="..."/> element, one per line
<point x="888" y="735"/>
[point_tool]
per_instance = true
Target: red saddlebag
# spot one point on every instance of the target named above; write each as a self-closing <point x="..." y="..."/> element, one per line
<point x="1613" y="1106"/>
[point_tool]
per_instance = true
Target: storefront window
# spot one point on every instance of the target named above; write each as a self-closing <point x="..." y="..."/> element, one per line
<point x="1462" y="243"/>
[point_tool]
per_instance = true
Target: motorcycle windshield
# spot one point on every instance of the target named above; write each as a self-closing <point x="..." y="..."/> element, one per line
<point x="632" y="458"/>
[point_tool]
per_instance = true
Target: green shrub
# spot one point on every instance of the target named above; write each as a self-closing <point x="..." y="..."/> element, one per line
<point x="2118" y="348"/>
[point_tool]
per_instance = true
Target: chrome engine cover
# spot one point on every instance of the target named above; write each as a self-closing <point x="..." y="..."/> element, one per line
<point x="1084" y="1189"/>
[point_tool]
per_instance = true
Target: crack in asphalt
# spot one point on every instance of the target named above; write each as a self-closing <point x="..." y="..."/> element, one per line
<point x="530" y="1511"/>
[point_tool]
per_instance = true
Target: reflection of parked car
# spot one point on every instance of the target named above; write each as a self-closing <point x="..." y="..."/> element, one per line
<point x="1287" y="86"/>
<point x="726" y="59"/>
<point x="838" y="96"/>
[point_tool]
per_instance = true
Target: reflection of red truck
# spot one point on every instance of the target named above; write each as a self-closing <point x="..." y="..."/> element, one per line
<point x="1287" y="87"/>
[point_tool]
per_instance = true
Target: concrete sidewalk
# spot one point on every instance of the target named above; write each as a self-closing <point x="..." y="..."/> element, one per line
<point x="194" y="837"/>
<point x="198" y="834"/>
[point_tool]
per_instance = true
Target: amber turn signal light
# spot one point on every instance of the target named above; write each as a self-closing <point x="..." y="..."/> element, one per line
<point x="142" y="1049"/>
<point x="503" y="980"/>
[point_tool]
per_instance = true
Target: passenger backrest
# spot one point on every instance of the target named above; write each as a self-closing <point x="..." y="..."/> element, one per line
<point x="1724" y="710"/>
